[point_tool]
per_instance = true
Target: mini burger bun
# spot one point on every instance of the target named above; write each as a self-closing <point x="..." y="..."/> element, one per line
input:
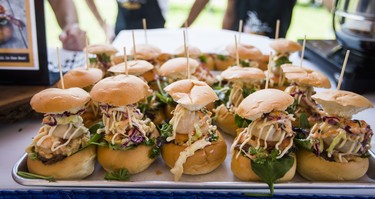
<point x="191" y="94"/>
<point x="316" y="168"/>
<point x="241" y="168"/>
<point x="263" y="101"/>
<point x="342" y="103"/>
<point x="285" y="46"/>
<point x="178" y="66"/>
<point x="81" y="77"/>
<point x="135" y="67"/>
<point x="203" y="161"/>
<point x="222" y="62"/>
<point x="194" y="52"/>
<point x="305" y="76"/>
<point x="119" y="90"/>
<point x="135" y="160"/>
<point x="101" y="48"/>
<point x="146" y="51"/>
<point x="55" y="100"/>
<point x="236" y="73"/>
<point x="74" y="167"/>
<point x="244" y="51"/>
<point x="225" y="120"/>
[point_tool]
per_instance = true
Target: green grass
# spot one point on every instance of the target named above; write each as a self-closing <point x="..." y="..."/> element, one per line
<point x="315" y="22"/>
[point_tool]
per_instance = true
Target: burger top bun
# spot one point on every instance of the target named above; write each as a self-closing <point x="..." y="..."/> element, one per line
<point x="241" y="74"/>
<point x="56" y="100"/>
<point x="177" y="66"/>
<point x="81" y="77"/>
<point x="244" y="51"/>
<point x="146" y="51"/>
<point x="119" y="90"/>
<point x="101" y="48"/>
<point x="194" y="52"/>
<point x="285" y="46"/>
<point x="263" y="101"/>
<point x="342" y="103"/>
<point x="305" y="76"/>
<point x="191" y="94"/>
<point x="135" y="67"/>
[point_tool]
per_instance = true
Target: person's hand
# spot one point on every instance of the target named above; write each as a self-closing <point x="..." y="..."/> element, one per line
<point x="109" y="32"/>
<point x="73" y="38"/>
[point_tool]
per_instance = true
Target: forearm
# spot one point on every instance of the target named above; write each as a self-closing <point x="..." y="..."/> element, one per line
<point x="229" y="16"/>
<point x="195" y="10"/>
<point x="95" y="12"/>
<point x="65" y="11"/>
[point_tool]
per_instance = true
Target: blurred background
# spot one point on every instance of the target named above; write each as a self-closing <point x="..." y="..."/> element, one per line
<point x="308" y="15"/>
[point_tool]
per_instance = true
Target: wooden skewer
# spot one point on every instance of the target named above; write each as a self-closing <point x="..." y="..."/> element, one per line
<point x="126" y="62"/>
<point x="268" y="70"/>
<point x="277" y="29"/>
<point x="237" y="55"/>
<point x="187" y="55"/>
<point x="134" y="50"/>
<point x="87" y="54"/>
<point x="343" y="69"/>
<point x="240" y="30"/>
<point x="59" y="64"/>
<point x="303" y="51"/>
<point x="145" y="29"/>
<point x="106" y="38"/>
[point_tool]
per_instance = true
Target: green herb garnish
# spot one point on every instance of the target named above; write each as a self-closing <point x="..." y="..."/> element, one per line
<point x="105" y="58"/>
<point x="247" y="91"/>
<point x="303" y="143"/>
<point x="154" y="152"/>
<point x="120" y="175"/>
<point x="303" y="121"/>
<point x="203" y="58"/>
<point x="292" y="108"/>
<point x="282" y="60"/>
<point x="165" y="130"/>
<point x="35" y="176"/>
<point x="241" y="122"/>
<point x="221" y="57"/>
<point x="271" y="170"/>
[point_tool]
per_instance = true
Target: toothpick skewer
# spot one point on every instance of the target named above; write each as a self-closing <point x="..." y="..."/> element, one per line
<point x="87" y="54"/>
<point x="59" y="64"/>
<point x="187" y="55"/>
<point x="303" y="51"/>
<point x="145" y="29"/>
<point x="268" y="70"/>
<point x="134" y="50"/>
<point x="343" y="69"/>
<point x="126" y="62"/>
<point x="236" y="46"/>
<point x="277" y="29"/>
<point x="240" y="30"/>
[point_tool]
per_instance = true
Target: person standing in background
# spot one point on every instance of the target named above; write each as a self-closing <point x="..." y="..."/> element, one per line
<point x="72" y="37"/>
<point x="131" y="13"/>
<point x="259" y="16"/>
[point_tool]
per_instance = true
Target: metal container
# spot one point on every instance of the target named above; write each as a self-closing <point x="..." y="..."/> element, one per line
<point x="354" y="24"/>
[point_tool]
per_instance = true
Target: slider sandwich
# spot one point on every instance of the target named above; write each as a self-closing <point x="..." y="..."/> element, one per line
<point x="241" y="82"/>
<point x="337" y="148"/>
<point x="283" y="49"/>
<point x="262" y="151"/>
<point x="103" y="58"/>
<point x="85" y="79"/>
<point x="193" y="145"/>
<point x="302" y="83"/>
<point x="150" y="106"/>
<point x="248" y="54"/>
<point x="61" y="149"/>
<point x="128" y="137"/>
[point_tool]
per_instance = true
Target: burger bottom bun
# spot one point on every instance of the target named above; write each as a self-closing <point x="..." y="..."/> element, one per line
<point x="221" y="65"/>
<point x="225" y="120"/>
<point x="74" y="167"/>
<point x="203" y="161"/>
<point x="316" y="168"/>
<point x="134" y="160"/>
<point x="241" y="168"/>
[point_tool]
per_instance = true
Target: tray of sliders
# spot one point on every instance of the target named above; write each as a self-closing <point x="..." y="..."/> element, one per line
<point x="165" y="122"/>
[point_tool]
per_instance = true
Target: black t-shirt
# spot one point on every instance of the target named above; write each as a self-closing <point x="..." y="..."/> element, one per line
<point x="131" y="13"/>
<point x="259" y="16"/>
